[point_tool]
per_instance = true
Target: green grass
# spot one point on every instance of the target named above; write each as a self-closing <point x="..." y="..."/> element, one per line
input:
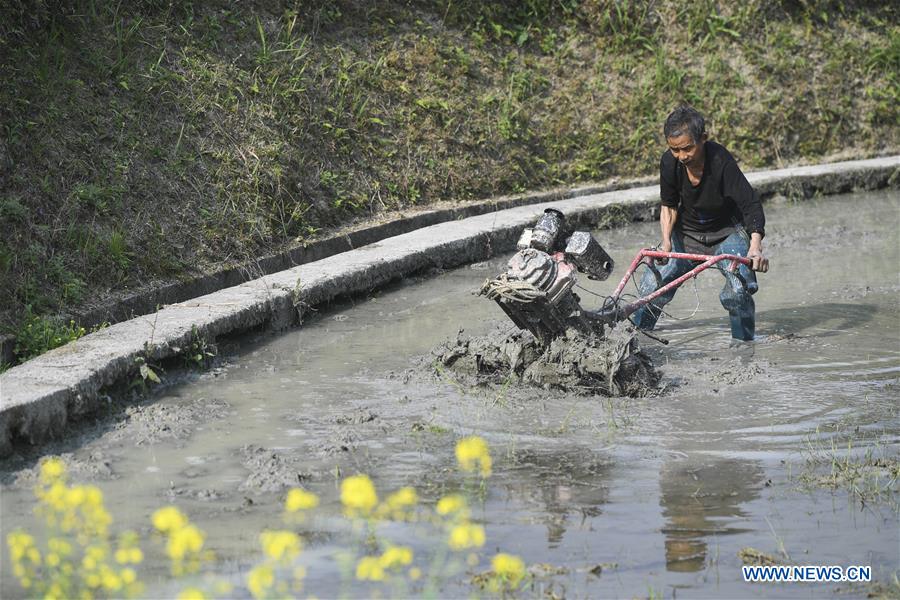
<point x="870" y="476"/>
<point x="148" y="140"/>
<point x="39" y="334"/>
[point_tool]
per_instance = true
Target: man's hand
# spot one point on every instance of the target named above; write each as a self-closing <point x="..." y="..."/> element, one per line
<point x="664" y="246"/>
<point x="760" y="262"/>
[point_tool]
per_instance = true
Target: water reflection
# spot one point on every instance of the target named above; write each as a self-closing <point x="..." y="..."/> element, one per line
<point x="700" y="499"/>
<point x="565" y="489"/>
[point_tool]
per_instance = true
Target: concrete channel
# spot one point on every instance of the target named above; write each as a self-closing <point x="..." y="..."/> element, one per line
<point x="39" y="398"/>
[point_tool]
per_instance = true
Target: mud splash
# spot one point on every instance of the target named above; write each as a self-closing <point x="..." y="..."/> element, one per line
<point x="612" y="365"/>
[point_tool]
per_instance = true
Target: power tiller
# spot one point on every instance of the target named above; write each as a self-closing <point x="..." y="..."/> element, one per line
<point x="536" y="291"/>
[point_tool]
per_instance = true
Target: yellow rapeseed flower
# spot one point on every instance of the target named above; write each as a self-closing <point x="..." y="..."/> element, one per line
<point x="60" y="546"/>
<point x="403" y="498"/>
<point x="76" y="495"/>
<point x="94" y="522"/>
<point x="191" y="593"/>
<point x="399" y="505"/>
<point x="169" y="519"/>
<point x="259" y="580"/>
<point x="299" y="499"/>
<point x="126" y="556"/>
<point x="56" y="496"/>
<point x="111" y="581"/>
<point x="472" y="455"/>
<point x="55" y="592"/>
<point x="466" y="535"/>
<point x="93" y="496"/>
<point x="128" y="576"/>
<point x="369" y="569"/>
<point x="184" y="541"/>
<point x="395" y="557"/>
<point x="19" y="543"/>
<point x="280" y="545"/>
<point x="358" y="495"/>
<point x="89" y="563"/>
<point x="96" y="552"/>
<point x="508" y="567"/>
<point x="450" y="504"/>
<point x="52" y="469"/>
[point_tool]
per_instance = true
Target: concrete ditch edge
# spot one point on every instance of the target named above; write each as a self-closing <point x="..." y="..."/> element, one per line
<point x="39" y="398"/>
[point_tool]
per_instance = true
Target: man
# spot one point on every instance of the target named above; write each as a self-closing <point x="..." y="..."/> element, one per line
<point x="707" y="207"/>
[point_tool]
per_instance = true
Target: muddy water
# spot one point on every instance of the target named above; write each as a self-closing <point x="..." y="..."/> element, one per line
<point x="622" y="497"/>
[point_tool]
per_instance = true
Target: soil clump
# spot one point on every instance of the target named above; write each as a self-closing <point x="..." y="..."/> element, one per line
<point x="94" y="467"/>
<point x="270" y="470"/>
<point x="149" y="424"/>
<point x="610" y="365"/>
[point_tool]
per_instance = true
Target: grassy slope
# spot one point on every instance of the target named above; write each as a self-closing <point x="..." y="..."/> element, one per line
<point x="143" y="141"/>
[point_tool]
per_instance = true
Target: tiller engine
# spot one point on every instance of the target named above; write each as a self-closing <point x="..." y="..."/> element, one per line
<point x="536" y="289"/>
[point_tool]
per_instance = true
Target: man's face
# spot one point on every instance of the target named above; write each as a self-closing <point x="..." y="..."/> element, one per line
<point x="686" y="151"/>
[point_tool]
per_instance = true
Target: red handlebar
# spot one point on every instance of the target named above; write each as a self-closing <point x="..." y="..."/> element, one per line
<point x="705" y="260"/>
<point x="695" y="257"/>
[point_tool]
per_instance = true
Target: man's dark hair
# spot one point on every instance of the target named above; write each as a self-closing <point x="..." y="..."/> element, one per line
<point x="685" y="119"/>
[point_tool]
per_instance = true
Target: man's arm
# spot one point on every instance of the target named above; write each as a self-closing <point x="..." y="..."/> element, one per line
<point x="739" y="189"/>
<point x="667" y="218"/>
<point x="669" y="201"/>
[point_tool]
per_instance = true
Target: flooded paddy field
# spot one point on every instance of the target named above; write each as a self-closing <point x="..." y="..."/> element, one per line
<point x="787" y="446"/>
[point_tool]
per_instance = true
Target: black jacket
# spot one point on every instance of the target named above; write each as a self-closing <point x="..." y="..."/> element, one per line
<point x="723" y="198"/>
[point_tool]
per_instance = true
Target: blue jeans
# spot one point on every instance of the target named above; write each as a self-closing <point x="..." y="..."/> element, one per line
<point x="736" y="297"/>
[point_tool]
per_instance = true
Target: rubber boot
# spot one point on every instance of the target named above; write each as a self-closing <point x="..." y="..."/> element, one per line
<point x="742" y="312"/>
